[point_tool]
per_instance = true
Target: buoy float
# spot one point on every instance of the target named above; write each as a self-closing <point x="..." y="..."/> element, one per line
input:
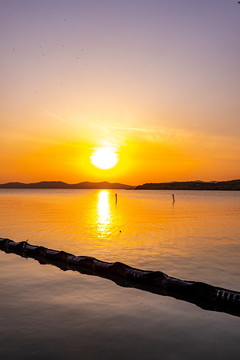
<point x="201" y="294"/>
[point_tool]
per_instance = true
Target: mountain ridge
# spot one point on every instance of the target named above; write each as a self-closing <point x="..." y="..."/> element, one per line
<point x="64" y="185"/>
<point x="173" y="185"/>
<point x="192" y="185"/>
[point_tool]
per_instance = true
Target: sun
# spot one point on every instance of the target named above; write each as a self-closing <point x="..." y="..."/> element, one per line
<point x="104" y="158"/>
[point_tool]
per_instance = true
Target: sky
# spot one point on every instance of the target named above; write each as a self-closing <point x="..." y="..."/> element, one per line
<point x="158" y="81"/>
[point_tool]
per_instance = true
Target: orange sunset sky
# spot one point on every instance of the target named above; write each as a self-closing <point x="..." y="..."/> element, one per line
<point x="157" y="81"/>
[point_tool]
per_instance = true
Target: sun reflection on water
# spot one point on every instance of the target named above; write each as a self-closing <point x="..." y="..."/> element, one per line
<point x="103" y="212"/>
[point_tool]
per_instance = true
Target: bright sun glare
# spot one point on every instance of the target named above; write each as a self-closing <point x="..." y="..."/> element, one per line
<point x="104" y="158"/>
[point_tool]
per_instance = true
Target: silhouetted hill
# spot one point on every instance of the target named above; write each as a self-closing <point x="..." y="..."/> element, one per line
<point x="192" y="185"/>
<point x="63" y="185"/>
<point x="101" y="185"/>
<point x="175" y="185"/>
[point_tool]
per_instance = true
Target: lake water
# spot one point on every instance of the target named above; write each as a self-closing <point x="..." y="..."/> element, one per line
<point x="47" y="313"/>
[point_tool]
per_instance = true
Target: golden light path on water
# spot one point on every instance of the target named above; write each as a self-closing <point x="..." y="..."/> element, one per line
<point x="103" y="212"/>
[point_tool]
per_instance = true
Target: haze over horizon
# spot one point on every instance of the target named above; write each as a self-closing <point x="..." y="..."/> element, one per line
<point x="158" y="82"/>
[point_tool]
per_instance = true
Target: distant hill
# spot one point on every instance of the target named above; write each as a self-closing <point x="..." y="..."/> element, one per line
<point x="192" y="185"/>
<point x="63" y="185"/>
<point x="175" y="185"/>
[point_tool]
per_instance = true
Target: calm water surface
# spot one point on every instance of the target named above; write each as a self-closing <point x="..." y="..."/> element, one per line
<point x="48" y="313"/>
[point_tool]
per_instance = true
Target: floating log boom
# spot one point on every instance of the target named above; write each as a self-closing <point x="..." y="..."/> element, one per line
<point x="203" y="295"/>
